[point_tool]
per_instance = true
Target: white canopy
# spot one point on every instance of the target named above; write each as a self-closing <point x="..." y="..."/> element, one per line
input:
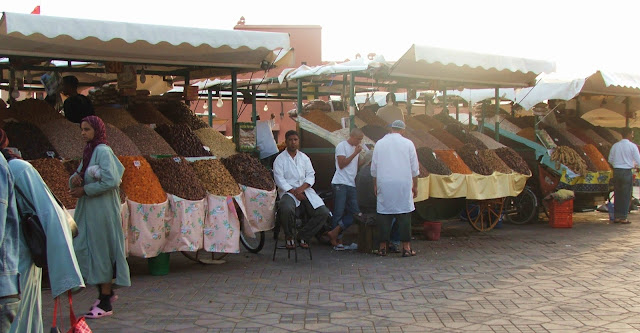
<point x="358" y="65"/>
<point x="472" y="70"/>
<point x="90" y="40"/>
<point x="477" y="95"/>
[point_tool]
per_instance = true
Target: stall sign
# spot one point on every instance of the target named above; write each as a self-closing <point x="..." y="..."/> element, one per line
<point x="246" y="140"/>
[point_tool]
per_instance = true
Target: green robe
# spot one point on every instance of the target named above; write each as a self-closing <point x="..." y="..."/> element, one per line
<point x="64" y="272"/>
<point x="100" y="242"/>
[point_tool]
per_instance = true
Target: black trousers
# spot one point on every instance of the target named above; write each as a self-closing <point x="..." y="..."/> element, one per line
<point x="287" y="217"/>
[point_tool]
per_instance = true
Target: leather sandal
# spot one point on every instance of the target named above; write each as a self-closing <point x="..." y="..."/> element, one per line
<point x="290" y="245"/>
<point x="382" y="252"/>
<point x="408" y="253"/>
<point x="303" y="244"/>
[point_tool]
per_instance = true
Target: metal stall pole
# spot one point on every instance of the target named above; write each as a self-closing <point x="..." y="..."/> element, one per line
<point x="408" y="102"/>
<point x="352" y="102"/>
<point x="299" y="97"/>
<point x="444" y="100"/>
<point x="254" y="105"/>
<point x="497" y="121"/>
<point x="458" y="111"/>
<point x="234" y="106"/>
<point x="627" y="111"/>
<point x="210" y="106"/>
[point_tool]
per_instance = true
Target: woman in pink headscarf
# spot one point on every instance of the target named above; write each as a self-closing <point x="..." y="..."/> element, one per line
<point x="99" y="245"/>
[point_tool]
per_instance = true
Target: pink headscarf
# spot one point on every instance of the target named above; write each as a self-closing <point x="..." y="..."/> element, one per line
<point x="99" y="137"/>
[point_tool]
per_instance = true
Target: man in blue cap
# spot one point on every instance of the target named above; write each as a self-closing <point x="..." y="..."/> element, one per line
<point x="395" y="171"/>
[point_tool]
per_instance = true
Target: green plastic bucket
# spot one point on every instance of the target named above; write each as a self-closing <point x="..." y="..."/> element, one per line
<point x="159" y="265"/>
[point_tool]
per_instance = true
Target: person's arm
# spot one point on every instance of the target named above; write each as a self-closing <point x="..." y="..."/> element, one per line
<point x="374" y="170"/>
<point x="414" y="188"/>
<point x="278" y="175"/>
<point x="309" y="174"/>
<point x="111" y="171"/>
<point x="413" y="160"/>
<point x="343" y="159"/>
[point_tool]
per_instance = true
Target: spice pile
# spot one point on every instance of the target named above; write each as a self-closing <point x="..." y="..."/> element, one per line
<point x="146" y="113"/>
<point x="423" y="171"/>
<point x="453" y="161"/>
<point x="445" y="118"/>
<point x="71" y="166"/>
<point x="575" y="140"/>
<point x="471" y="157"/>
<point x="464" y="136"/>
<point x="139" y="182"/>
<point x="178" y="178"/>
<point x="370" y="118"/>
<point x="248" y="171"/>
<point x="321" y="119"/>
<point x="417" y="142"/>
<point x="605" y="134"/>
<point x="603" y="145"/>
<point x="118" y="117"/>
<point x="28" y="138"/>
<point x="338" y="115"/>
<point x="558" y="137"/>
<point x="374" y="132"/>
<point x="596" y="157"/>
<point x="416" y="125"/>
<point x="514" y="161"/>
<point x="528" y="133"/>
<point x="179" y="113"/>
<point x="120" y="142"/>
<point x="215" y="178"/>
<point x="522" y="122"/>
<point x="431" y="122"/>
<point x="570" y="158"/>
<point x="493" y="161"/>
<point x="449" y="140"/>
<point x="147" y="140"/>
<point x="219" y="145"/>
<point x="432" y="142"/>
<point x="64" y="137"/>
<point x="55" y="176"/>
<point x="487" y="140"/>
<point x="585" y="158"/>
<point x="182" y="140"/>
<point x="34" y="111"/>
<point x="427" y="157"/>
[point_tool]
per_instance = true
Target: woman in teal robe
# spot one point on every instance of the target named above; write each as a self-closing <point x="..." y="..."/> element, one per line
<point x="64" y="273"/>
<point x="99" y="245"/>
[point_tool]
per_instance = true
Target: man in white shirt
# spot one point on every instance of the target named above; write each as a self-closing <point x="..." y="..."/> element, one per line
<point x="390" y="112"/>
<point x="623" y="156"/>
<point x="395" y="171"/>
<point x="344" y="186"/>
<point x="294" y="176"/>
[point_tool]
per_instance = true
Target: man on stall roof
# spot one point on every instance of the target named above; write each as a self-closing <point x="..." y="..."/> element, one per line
<point x="76" y="106"/>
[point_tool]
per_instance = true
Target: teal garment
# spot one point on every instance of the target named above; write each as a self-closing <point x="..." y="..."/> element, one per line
<point x="100" y="242"/>
<point x="64" y="272"/>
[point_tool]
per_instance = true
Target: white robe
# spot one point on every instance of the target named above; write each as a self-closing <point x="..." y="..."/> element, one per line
<point x="292" y="173"/>
<point x="394" y="164"/>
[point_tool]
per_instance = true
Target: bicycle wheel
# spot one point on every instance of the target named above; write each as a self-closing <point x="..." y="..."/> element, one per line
<point x="253" y="245"/>
<point x="526" y="206"/>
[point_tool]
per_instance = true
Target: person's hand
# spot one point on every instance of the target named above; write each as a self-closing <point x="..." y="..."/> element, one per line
<point x="414" y="189"/>
<point x="76" y="181"/>
<point x="301" y="196"/>
<point x="77" y="192"/>
<point x="375" y="189"/>
<point x="358" y="149"/>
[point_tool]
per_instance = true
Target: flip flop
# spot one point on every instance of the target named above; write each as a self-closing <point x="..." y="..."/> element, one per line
<point x="339" y="247"/>
<point x="97" y="312"/>
<point x="112" y="299"/>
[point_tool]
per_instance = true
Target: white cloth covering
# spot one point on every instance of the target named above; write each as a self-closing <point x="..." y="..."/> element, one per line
<point x="346" y="175"/>
<point x="394" y="165"/>
<point x="292" y="173"/>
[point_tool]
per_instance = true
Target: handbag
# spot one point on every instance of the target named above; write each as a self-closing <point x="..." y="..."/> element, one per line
<point x="78" y="325"/>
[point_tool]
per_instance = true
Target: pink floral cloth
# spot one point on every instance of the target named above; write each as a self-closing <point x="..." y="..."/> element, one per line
<point x="222" y="225"/>
<point x="259" y="212"/>
<point x="148" y="228"/>
<point x="186" y="227"/>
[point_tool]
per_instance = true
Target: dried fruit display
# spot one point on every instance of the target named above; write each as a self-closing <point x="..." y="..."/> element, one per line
<point x="374" y="132"/>
<point x="471" y="157"/>
<point x="603" y="145"/>
<point x="522" y="122"/>
<point x="445" y="137"/>
<point x="182" y="140"/>
<point x="432" y="142"/>
<point x="219" y="145"/>
<point x="453" y="161"/>
<point x="146" y="113"/>
<point x="148" y="141"/>
<point x="416" y="125"/>
<point x="29" y="139"/>
<point x="345" y="133"/>
<point x="559" y="138"/>
<point x="417" y="142"/>
<point x="64" y="137"/>
<point x="178" y="178"/>
<point x="370" y="118"/>
<point x="431" y="122"/>
<point x="493" y="161"/>
<point x="605" y="134"/>
<point x="180" y="114"/>
<point x="56" y="177"/>
<point x="513" y="160"/>
<point x="116" y="116"/>
<point x="338" y="115"/>
<point x="575" y="140"/>
<point x="596" y="157"/>
<point x="570" y="158"/>
<point x="587" y="161"/>
<point x="445" y="118"/>
<point x="423" y="171"/>
<point x="487" y="140"/>
<point x="215" y="178"/>
<point x="464" y="136"/>
<point x="427" y="157"/>
<point x="528" y="133"/>
<point x="504" y="124"/>
<point x="34" y="111"/>
<point x="248" y="171"/>
<point x="139" y="182"/>
<point x="120" y="143"/>
<point x="582" y="135"/>
<point x="321" y="119"/>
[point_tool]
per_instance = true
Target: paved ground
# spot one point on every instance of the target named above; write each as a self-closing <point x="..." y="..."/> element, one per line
<point x="516" y="279"/>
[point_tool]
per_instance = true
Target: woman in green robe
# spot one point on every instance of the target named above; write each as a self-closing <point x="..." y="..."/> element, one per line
<point x="64" y="273"/>
<point x="100" y="243"/>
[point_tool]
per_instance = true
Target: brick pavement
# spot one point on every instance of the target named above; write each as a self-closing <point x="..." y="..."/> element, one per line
<point x="528" y="278"/>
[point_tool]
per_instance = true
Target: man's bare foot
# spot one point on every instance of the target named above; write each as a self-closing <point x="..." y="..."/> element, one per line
<point x="333" y="236"/>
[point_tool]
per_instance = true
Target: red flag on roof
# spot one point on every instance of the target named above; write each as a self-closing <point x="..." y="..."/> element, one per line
<point x="36" y="10"/>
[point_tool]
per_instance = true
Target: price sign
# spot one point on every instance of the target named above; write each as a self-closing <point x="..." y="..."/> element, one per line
<point x="51" y="154"/>
<point x="455" y="154"/>
<point x="476" y="152"/>
<point x="177" y="159"/>
<point x="153" y="126"/>
<point x="206" y="148"/>
<point x="136" y="164"/>
<point x="434" y="155"/>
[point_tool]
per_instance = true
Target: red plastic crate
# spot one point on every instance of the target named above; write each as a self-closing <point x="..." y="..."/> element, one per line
<point x="561" y="214"/>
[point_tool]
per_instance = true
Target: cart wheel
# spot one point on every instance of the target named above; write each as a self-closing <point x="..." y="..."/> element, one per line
<point x="484" y="214"/>
<point x="525" y="206"/>
<point x="205" y="258"/>
<point x="253" y="245"/>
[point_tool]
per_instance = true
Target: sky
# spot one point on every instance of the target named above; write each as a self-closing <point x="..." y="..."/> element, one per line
<point x="580" y="36"/>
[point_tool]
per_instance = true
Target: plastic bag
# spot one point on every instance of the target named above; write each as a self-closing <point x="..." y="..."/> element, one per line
<point x="94" y="171"/>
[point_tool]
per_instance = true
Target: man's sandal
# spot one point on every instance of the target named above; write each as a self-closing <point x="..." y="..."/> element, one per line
<point x="408" y="253"/>
<point x="382" y="252"/>
<point x="304" y="244"/>
<point x="290" y="245"/>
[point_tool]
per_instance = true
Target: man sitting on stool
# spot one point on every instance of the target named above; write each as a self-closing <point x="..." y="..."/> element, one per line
<point x="294" y="176"/>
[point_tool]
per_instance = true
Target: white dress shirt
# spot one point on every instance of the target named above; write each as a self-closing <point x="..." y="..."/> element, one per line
<point x="346" y="175"/>
<point x="394" y="164"/>
<point x="624" y="154"/>
<point x="291" y="173"/>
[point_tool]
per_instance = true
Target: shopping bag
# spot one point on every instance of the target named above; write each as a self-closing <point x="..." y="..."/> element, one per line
<point x="78" y="325"/>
